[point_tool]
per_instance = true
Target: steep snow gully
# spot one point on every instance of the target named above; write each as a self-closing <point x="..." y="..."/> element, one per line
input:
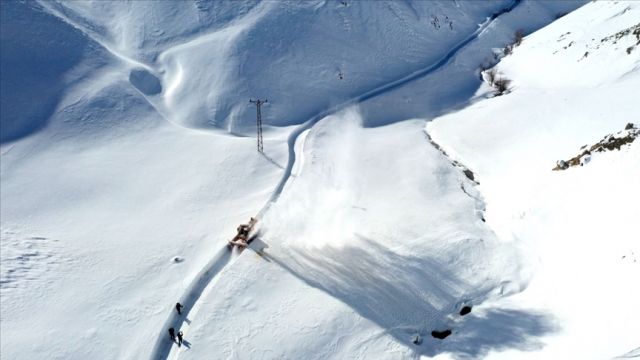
<point x="225" y="257"/>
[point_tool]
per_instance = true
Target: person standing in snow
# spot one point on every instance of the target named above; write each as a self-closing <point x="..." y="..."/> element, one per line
<point x="179" y="338"/>
<point x="172" y="334"/>
<point x="179" y="308"/>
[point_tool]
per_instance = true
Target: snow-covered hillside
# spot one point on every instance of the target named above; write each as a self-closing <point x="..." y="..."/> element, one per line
<point x="129" y="158"/>
<point x="573" y="83"/>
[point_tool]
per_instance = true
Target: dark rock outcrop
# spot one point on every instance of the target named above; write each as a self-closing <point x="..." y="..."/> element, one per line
<point x="440" y="334"/>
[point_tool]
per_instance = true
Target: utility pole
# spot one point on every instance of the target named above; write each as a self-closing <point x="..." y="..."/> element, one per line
<point x="259" y="122"/>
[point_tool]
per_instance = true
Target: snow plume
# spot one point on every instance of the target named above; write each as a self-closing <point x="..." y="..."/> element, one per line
<point x="376" y="219"/>
<point x="318" y="205"/>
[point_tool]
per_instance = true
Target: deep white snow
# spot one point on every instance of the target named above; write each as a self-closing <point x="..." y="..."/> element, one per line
<point x="580" y="225"/>
<point x="128" y="158"/>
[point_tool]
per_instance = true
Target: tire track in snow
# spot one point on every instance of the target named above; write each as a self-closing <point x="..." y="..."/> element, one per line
<point x="208" y="274"/>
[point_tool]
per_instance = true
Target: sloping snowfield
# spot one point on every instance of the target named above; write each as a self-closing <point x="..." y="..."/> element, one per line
<point x="128" y="158"/>
<point x="573" y="83"/>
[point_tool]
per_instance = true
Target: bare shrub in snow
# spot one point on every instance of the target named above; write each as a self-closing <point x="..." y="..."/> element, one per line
<point x="501" y="85"/>
<point x="487" y="64"/>
<point x="490" y="76"/>
<point x="517" y="40"/>
<point x="517" y="37"/>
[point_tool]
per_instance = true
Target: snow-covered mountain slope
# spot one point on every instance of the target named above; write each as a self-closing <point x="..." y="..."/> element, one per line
<point x="123" y="180"/>
<point x="573" y="83"/>
<point x="96" y="204"/>
<point x="394" y="250"/>
<point x="304" y="56"/>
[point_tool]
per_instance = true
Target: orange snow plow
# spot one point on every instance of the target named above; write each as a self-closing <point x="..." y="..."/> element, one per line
<point x="242" y="238"/>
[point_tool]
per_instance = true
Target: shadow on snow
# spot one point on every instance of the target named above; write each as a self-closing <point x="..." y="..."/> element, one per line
<point x="407" y="295"/>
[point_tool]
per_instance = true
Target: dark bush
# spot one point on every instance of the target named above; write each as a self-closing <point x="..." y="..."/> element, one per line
<point x="517" y="37"/>
<point x="502" y="85"/>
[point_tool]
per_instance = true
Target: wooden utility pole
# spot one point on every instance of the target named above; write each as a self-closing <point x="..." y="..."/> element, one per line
<point x="259" y="122"/>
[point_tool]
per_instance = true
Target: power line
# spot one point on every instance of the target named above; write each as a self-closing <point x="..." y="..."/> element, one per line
<point x="259" y="122"/>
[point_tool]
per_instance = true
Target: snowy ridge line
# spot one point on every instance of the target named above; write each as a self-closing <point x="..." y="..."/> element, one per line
<point x="635" y="353"/>
<point x="189" y="299"/>
<point x="291" y="141"/>
<point x="55" y="10"/>
<point x="477" y="197"/>
<point x="197" y="38"/>
<point x="465" y="169"/>
<point x="59" y="12"/>
<point x="162" y="348"/>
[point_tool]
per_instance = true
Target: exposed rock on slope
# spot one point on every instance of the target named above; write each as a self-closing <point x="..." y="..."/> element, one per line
<point x="608" y="143"/>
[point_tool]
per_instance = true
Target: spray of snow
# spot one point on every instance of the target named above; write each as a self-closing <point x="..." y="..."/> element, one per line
<point x="321" y="210"/>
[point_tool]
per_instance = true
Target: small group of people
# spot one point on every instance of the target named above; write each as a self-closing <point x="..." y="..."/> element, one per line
<point x="172" y="331"/>
<point x="173" y="335"/>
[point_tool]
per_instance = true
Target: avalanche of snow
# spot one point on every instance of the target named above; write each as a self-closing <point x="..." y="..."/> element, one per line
<point x="128" y="158"/>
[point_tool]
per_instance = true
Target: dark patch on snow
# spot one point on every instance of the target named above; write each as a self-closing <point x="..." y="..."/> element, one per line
<point x="635" y="30"/>
<point x="630" y="258"/>
<point x="613" y="143"/>
<point x="586" y="53"/>
<point x="465" y="310"/>
<point x="440" y="334"/>
<point x="469" y="174"/>
<point x="145" y="81"/>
